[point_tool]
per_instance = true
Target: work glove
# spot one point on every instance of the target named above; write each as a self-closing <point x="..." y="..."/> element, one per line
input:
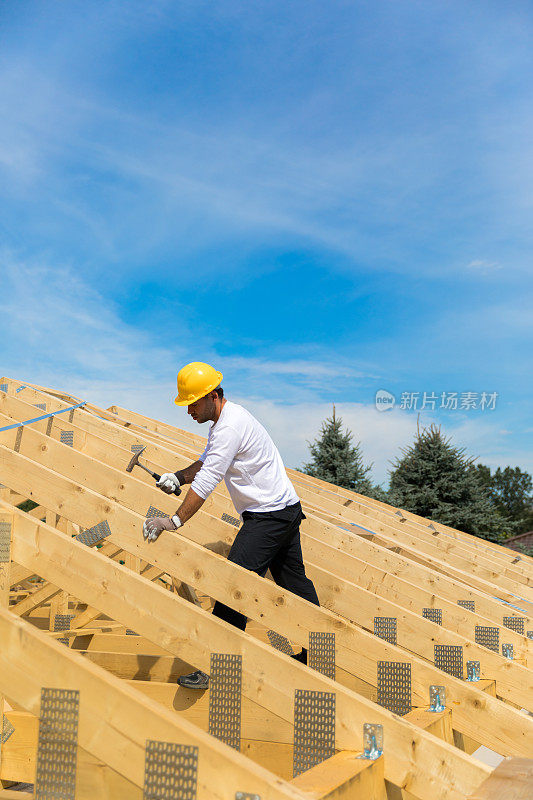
<point x="168" y="482"/>
<point x="154" y="526"/>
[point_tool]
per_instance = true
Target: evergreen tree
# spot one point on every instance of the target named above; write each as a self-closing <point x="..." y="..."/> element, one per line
<point x="336" y="460"/>
<point x="511" y="492"/>
<point x="437" y="481"/>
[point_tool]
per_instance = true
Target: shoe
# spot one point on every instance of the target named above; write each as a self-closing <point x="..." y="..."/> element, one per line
<point x="195" y="680"/>
<point x="301" y="656"/>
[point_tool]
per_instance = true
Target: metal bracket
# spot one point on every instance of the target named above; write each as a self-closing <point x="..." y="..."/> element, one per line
<point x="314" y="729"/>
<point x="386" y="628"/>
<point x="170" y="771"/>
<point x="433" y="614"/>
<point x="516" y="624"/>
<point x="232" y="520"/>
<point x="66" y="437"/>
<point x="225" y="698"/>
<point x="42" y="406"/>
<point x="473" y="671"/>
<point x="508" y="651"/>
<point x="322" y="653"/>
<point x="449" y="658"/>
<point x="469" y="604"/>
<point x="529" y="634"/>
<point x="57" y="745"/>
<point x="95" y="534"/>
<point x="437" y="698"/>
<point x="488" y="637"/>
<point x="372" y="741"/>
<point x="5" y="542"/>
<point x="394" y="686"/>
<point x="62" y="623"/>
<point x="280" y="642"/>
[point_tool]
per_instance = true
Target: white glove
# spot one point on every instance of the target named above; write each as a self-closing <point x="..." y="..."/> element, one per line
<point x="154" y="526"/>
<point x="168" y="483"/>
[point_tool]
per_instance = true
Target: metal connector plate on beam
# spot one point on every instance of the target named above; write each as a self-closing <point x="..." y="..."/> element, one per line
<point x="5" y="542"/>
<point x="225" y="684"/>
<point x="322" y="653"/>
<point x="67" y="437"/>
<point x="469" y="604"/>
<point x="433" y="614"/>
<point x="394" y="686"/>
<point x="386" y="628"/>
<point x="488" y="637"/>
<point x="280" y="642"/>
<point x="57" y="745"/>
<point x="155" y="512"/>
<point x="516" y="624"/>
<point x="449" y="658"/>
<point x="170" y="771"/>
<point x="232" y="520"/>
<point x="314" y="729"/>
<point x="94" y="535"/>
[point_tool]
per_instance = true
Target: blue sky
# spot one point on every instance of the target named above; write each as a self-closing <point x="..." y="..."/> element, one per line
<point x="323" y="199"/>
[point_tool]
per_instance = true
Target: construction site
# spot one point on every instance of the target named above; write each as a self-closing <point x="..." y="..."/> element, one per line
<point x="420" y="653"/>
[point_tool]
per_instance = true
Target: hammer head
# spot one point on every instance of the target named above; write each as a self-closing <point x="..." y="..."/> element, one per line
<point x="135" y="459"/>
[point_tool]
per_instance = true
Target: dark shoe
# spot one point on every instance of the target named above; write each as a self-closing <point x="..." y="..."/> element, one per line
<point x="196" y="680"/>
<point x="301" y="656"/>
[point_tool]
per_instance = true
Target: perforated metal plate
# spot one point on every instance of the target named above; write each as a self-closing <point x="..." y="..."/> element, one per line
<point x="67" y="437"/>
<point x="449" y="658"/>
<point x="232" y="520"/>
<point x="516" y="624"/>
<point x="488" y="637"/>
<point x="170" y="771"/>
<point x="280" y="642"/>
<point x="225" y="698"/>
<point x="155" y="512"/>
<point x="3" y="387"/>
<point x="5" y="542"/>
<point x="57" y="745"/>
<point x="508" y="651"/>
<point x="42" y="406"/>
<point x="49" y="426"/>
<point x="129" y="632"/>
<point x="62" y="623"/>
<point x="7" y="730"/>
<point x="322" y="653"/>
<point x="247" y="796"/>
<point x="314" y="729"/>
<point x="136" y="448"/>
<point x="18" y="439"/>
<point x="469" y="604"/>
<point x="394" y="686"/>
<point x="71" y="415"/>
<point x="95" y="534"/>
<point x="386" y="628"/>
<point x="434" y="614"/>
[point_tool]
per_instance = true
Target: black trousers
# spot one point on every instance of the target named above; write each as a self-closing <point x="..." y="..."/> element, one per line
<point x="270" y="540"/>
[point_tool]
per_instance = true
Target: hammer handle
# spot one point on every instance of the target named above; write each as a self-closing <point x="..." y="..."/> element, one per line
<point x="156" y="477"/>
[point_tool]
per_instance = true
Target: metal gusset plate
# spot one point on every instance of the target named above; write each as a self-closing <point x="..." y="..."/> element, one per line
<point x="67" y="437"/>
<point x="516" y="624"/>
<point x="232" y="520"/>
<point x="7" y="730"/>
<point x="488" y="637"/>
<point x="433" y="614"/>
<point x="42" y="406"/>
<point x="94" y="535"/>
<point x="314" y="729"/>
<point x="449" y="658"/>
<point x="129" y="632"/>
<point x="322" y="653"/>
<point x="57" y="746"/>
<point x="386" y="628"/>
<point x="136" y="448"/>
<point x="225" y="684"/>
<point x="155" y="512"/>
<point x="62" y="623"/>
<point x="469" y="604"/>
<point x="247" y="796"/>
<point x="394" y="686"/>
<point x="5" y="542"/>
<point x="170" y="771"/>
<point x="3" y="387"/>
<point x="280" y="642"/>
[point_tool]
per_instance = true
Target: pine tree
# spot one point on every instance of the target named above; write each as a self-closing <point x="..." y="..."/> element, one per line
<point x="511" y="492"/>
<point x="336" y="460"/>
<point x="437" y="481"/>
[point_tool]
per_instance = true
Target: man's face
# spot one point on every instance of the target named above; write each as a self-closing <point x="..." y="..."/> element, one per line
<point x="203" y="409"/>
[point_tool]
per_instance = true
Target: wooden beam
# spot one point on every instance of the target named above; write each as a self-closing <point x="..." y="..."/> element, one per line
<point x="344" y="776"/>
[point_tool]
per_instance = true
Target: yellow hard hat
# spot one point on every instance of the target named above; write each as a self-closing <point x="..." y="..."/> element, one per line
<point x="195" y="380"/>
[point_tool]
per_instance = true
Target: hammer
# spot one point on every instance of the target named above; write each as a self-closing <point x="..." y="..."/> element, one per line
<point x="136" y="463"/>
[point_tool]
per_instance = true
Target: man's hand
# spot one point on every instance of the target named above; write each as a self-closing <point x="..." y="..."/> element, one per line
<point x="154" y="526"/>
<point x="168" y="483"/>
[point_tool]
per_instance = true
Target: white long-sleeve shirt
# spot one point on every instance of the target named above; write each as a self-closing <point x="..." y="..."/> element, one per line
<point x="240" y="450"/>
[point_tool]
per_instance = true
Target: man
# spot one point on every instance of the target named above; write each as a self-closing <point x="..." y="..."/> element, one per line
<point x="239" y="450"/>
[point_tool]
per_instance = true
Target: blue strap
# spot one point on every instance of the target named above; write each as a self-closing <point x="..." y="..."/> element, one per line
<point x="44" y="416"/>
